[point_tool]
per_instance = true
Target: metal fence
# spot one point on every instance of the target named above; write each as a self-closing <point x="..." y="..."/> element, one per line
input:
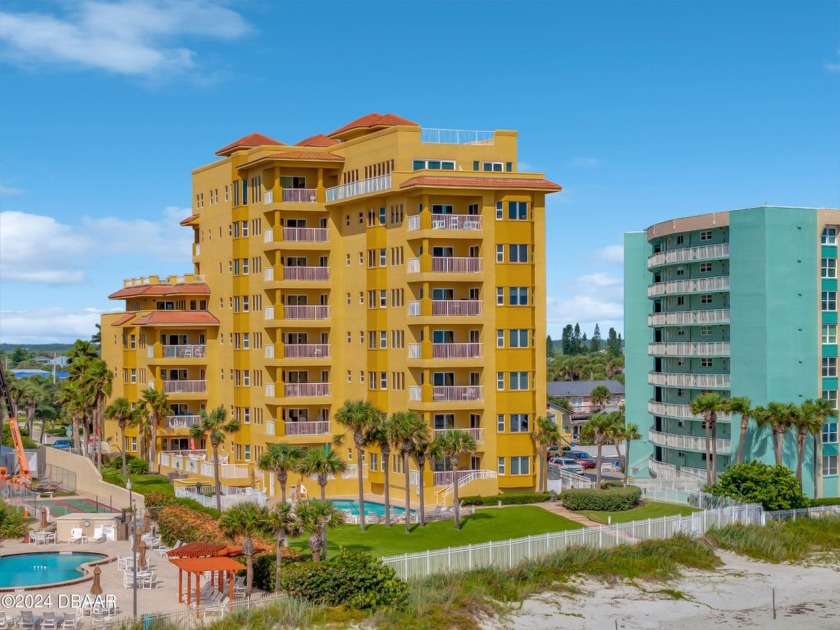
<point x="792" y="515"/>
<point x="63" y="478"/>
<point x="509" y="553"/>
<point x="18" y="496"/>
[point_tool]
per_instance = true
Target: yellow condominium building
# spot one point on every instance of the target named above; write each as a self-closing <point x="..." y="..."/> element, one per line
<point x="382" y="261"/>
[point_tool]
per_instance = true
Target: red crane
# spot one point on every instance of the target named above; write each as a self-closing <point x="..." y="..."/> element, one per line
<point x="24" y="477"/>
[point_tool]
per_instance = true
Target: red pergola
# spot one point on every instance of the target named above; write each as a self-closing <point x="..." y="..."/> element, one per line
<point x="224" y="566"/>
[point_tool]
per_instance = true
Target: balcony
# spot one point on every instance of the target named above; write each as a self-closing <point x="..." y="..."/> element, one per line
<point x="184" y="387"/>
<point x="268" y="236"/>
<point x="689" y="254"/>
<point x="306" y="274"/>
<point x="687" y="442"/>
<point x="456" y="265"/>
<point x="306" y="311"/>
<point x="447" y="477"/>
<point x="688" y="318"/>
<point x="698" y="381"/>
<point x="689" y="349"/>
<point x="661" y="470"/>
<point x="672" y="410"/>
<point x="449" y="222"/>
<point x="306" y="350"/>
<point x="356" y="189"/>
<point x="181" y="422"/>
<point x="303" y="390"/>
<point x="457" y="393"/>
<point x="184" y="352"/>
<point x="270" y="427"/>
<point x="320" y="427"/>
<point x="476" y="434"/>
<point x="306" y="235"/>
<point x="300" y="195"/>
<point x="226" y="471"/>
<point x="457" y="308"/>
<point x="457" y="136"/>
<point x="696" y="285"/>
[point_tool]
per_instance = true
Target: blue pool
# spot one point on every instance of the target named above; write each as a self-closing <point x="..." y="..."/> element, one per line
<point x="370" y="507"/>
<point x="30" y="569"/>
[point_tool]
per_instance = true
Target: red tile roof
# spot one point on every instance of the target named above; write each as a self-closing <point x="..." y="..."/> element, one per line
<point x="189" y="219"/>
<point x="177" y="318"/>
<point x="196" y="550"/>
<point x="319" y="140"/>
<point x="482" y="182"/>
<point x="122" y="320"/>
<point x="374" y="120"/>
<point x="161" y="289"/>
<point x="200" y="565"/>
<point x="251" y="140"/>
<point x="295" y="155"/>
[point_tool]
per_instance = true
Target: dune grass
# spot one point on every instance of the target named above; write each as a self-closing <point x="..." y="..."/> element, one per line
<point x="648" y="509"/>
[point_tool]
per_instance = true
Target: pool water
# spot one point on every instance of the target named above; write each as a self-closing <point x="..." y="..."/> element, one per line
<point x="370" y="507"/>
<point x="30" y="569"/>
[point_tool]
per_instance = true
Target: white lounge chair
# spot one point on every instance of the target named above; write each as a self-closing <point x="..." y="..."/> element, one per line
<point x="148" y="580"/>
<point x="6" y="621"/>
<point x="70" y="621"/>
<point x="77" y="535"/>
<point x="49" y="620"/>
<point x="98" y="536"/>
<point x="27" y="620"/>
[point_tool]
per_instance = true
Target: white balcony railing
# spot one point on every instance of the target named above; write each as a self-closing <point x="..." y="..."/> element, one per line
<point x="694" y="285"/>
<point x="306" y="311"/>
<point x="300" y="195"/>
<point x="413" y="265"/>
<point x="661" y="470"/>
<point x="690" y="349"/>
<point x="269" y="351"/>
<point x="414" y="309"/>
<point x="476" y="434"/>
<point x="687" y="442"/>
<point x="269" y="390"/>
<point x="414" y="351"/>
<point x="456" y="265"/>
<point x="447" y="477"/>
<point x="689" y="254"/>
<point x="712" y="381"/>
<point x="184" y="387"/>
<point x="270" y="427"/>
<point x="413" y="222"/>
<point x="672" y="410"/>
<point x="268" y="197"/>
<point x="268" y="274"/>
<point x="181" y="422"/>
<point x="415" y="393"/>
<point x="306" y="235"/>
<point x="320" y="427"/>
<point x="467" y="222"/>
<point x="457" y="136"/>
<point x="682" y="318"/>
<point x="300" y="390"/>
<point x="269" y="312"/>
<point x="454" y="393"/>
<point x="457" y="308"/>
<point x="457" y="350"/>
<point x="306" y="350"/>
<point x="363" y="187"/>
<point x="268" y="236"/>
<point x="306" y="273"/>
<point x="185" y="352"/>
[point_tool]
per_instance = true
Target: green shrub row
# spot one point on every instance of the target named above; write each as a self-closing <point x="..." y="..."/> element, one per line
<point x="609" y="500"/>
<point x="514" y="498"/>
<point x="265" y="564"/>
<point x="156" y="501"/>
<point x="825" y="501"/>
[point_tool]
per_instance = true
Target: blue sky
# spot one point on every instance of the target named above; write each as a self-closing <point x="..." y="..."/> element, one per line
<point x="642" y="111"/>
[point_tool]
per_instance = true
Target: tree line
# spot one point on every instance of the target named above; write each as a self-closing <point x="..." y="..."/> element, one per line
<point x="574" y="343"/>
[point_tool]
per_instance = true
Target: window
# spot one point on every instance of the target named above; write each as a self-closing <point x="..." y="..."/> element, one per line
<point x="500" y="253"/>
<point x="383" y="380"/>
<point x="707" y="363"/>
<point x="518" y="210"/>
<point x="680" y="271"/>
<point x="383" y="298"/>
<point x="518" y="253"/>
<point x="829" y="235"/>
<point x="519" y="338"/>
<point x="500" y="380"/>
<point x="519" y="423"/>
<point x="133" y="375"/>
<point x="518" y="381"/>
<point x="374" y="461"/>
<point x="828" y="268"/>
<point x="500" y="338"/>
<point x="829" y="333"/>
<point x="518" y="296"/>
<point x="382" y="216"/>
<point x="706" y="298"/>
<point x="706" y="267"/>
<point x="829" y="300"/>
<point x="500" y="467"/>
<point x="706" y="235"/>
<point x="436" y="165"/>
<point x="500" y="423"/>
<point x="829" y="433"/>
<point x="829" y="366"/>
<point x="705" y="331"/>
<point x="500" y="296"/>
<point x="499" y="211"/>
<point x="520" y="465"/>
<point x="383" y="339"/>
<point x="829" y="464"/>
<point x="489" y="167"/>
<point x="830" y="395"/>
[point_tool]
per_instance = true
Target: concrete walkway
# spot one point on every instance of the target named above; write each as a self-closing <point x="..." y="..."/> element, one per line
<point x="555" y="507"/>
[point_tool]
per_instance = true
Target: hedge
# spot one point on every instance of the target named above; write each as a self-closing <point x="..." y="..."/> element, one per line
<point x="156" y="501"/>
<point x="609" y="500"/>
<point x="264" y="566"/>
<point x="179" y="522"/>
<point x="515" y="498"/>
<point x="825" y="501"/>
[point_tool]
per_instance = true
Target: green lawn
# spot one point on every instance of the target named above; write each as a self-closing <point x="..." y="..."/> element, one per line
<point x="648" y="509"/>
<point x="483" y="526"/>
<point x="139" y="483"/>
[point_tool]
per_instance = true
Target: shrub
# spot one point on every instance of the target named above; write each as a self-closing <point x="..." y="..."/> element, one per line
<point x="352" y="579"/>
<point x="11" y="523"/>
<point x="514" y="498"/>
<point x="265" y="564"/>
<point x="137" y="466"/>
<point x="825" y="501"/>
<point x="774" y="487"/>
<point x="156" y="501"/>
<point x="180" y="522"/>
<point x="609" y="500"/>
<point x="612" y="483"/>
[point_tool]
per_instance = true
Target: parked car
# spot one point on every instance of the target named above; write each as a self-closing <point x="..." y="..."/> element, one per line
<point x="554" y="451"/>
<point x="584" y="459"/>
<point x="568" y="464"/>
<point x="64" y="444"/>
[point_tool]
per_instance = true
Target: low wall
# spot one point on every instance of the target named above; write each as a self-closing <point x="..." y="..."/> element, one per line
<point x="89" y="482"/>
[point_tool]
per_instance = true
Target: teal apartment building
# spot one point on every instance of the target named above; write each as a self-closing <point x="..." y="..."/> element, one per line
<point x="742" y="303"/>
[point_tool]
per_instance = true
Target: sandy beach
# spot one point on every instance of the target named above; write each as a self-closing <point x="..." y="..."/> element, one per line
<point x="738" y="595"/>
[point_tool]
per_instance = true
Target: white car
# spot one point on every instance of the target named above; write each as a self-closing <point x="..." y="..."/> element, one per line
<point x="568" y="464"/>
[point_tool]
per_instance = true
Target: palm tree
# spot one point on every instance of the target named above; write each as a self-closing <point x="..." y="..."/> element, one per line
<point x="72" y="399"/>
<point x="214" y="426"/>
<point x="142" y="422"/>
<point x="709" y="404"/>
<point x="30" y="394"/>
<point x="280" y="459"/>
<point x="631" y="432"/>
<point x="100" y="379"/>
<point x="599" y="430"/>
<point x="823" y="410"/>
<point x="453" y="445"/>
<point x="244" y="519"/>
<point x="380" y="434"/>
<point x="283" y="523"/>
<point x="357" y="416"/>
<point x="545" y="434"/>
<point x="420" y="453"/>
<point x="156" y="405"/>
<point x="780" y="417"/>
<point x="121" y="412"/>
<point x="317" y="517"/>
<point x="323" y="463"/>
<point x="617" y="433"/>
<point x="408" y="431"/>
<point x="742" y="406"/>
<point x="600" y="396"/>
<point x="806" y="423"/>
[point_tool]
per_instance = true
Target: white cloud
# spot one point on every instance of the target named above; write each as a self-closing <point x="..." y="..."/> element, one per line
<point x="38" y="248"/>
<point x="611" y="254"/>
<point x="584" y="162"/>
<point x="8" y="191"/>
<point x="130" y="37"/>
<point x="833" y="66"/>
<point x="596" y="298"/>
<point x="48" y="325"/>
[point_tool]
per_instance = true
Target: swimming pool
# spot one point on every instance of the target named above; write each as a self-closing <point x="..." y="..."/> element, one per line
<point x="370" y="507"/>
<point x="31" y="569"/>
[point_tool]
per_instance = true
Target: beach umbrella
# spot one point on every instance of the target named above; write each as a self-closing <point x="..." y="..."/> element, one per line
<point x="96" y="588"/>
<point x="146" y="521"/>
<point x="44" y="518"/>
<point x="141" y="547"/>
